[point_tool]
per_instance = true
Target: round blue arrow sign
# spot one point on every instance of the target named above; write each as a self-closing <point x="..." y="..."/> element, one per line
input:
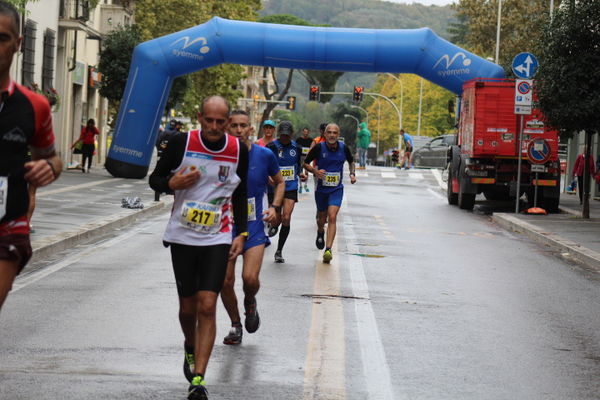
<point x="525" y="65"/>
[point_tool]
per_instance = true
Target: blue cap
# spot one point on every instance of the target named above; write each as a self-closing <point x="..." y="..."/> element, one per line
<point x="269" y="122"/>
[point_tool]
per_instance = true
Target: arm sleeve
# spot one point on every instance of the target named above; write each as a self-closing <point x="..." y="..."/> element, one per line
<point x="170" y="160"/>
<point x="349" y="156"/>
<point x="313" y="154"/>
<point x="239" y="197"/>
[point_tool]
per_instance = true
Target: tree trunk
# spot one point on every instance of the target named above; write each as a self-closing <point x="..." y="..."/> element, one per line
<point x="585" y="211"/>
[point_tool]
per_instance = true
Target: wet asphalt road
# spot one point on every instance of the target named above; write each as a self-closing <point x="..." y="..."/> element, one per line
<point x="421" y="301"/>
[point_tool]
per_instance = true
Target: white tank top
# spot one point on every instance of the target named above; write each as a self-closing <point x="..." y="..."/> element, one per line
<point x="202" y="214"/>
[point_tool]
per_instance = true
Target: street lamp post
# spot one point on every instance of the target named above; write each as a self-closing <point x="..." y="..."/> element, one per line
<point x="354" y="118"/>
<point x="401" y="96"/>
<point x="366" y="112"/>
<point x="498" y="31"/>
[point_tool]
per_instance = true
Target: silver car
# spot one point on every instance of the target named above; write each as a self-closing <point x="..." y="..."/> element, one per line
<point x="434" y="152"/>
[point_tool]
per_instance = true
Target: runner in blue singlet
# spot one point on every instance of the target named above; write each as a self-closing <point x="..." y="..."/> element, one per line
<point x="330" y="156"/>
<point x="262" y="165"/>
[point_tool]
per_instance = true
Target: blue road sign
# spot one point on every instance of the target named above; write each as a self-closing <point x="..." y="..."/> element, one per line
<point x="525" y="65"/>
<point x="538" y="151"/>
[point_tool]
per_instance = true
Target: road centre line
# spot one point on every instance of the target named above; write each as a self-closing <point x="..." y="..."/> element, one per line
<point x="324" y="371"/>
<point x="372" y="352"/>
<point x="45" y="193"/>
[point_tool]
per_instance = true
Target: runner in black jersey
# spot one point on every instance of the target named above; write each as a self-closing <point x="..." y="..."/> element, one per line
<point x="206" y="170"/>
<point x="25" y="124"/>
<point x="304" y="141"/>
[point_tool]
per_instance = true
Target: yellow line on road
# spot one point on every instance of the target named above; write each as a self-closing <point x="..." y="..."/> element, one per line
<point x="324" y="372"/>
<point x="76" y="187"/>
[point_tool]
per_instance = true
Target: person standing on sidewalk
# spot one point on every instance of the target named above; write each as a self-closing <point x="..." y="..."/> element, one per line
<point x="207" y="172"/>
<point x="288" y="155"/>
<point x="363" y="142"/>
<point x="25" y="125"/>
<point x="88" y="137"/>
<point x="262" y="165"/>
<point x="578" y="168"/>
<point x="304" y="141"/>
<point x="330" y="157"/>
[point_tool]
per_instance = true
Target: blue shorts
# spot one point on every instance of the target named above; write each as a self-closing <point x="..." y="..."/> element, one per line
<point x="324" y="200"/>
<point x="256" y="234"/>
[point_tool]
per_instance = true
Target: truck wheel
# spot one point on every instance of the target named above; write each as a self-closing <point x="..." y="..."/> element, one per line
<point x="466" y="201"/>
<point x="452" y="197"/>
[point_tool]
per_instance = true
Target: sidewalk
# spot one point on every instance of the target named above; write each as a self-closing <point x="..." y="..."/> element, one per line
<point x="78" y="207"/>
<point x="574" y="237"/>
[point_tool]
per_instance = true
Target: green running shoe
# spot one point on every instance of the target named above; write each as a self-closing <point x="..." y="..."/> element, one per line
<point x="197" y="389"/>
<point x="327" y="256"/>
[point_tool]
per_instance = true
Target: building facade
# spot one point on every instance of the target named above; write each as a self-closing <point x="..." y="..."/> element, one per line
<point x="59" y="55"/>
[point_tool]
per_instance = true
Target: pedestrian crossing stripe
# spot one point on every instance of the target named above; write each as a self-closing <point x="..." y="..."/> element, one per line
<point x="388" y="175"/>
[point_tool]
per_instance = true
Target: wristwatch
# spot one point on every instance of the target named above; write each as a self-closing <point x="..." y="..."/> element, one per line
<point x="277" y="208"/>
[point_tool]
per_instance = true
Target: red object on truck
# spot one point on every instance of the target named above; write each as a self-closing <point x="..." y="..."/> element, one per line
<point x="485" y="159"/>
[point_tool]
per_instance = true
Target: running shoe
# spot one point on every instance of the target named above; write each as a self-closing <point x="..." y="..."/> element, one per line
<point x="188" y="363"/>
<point x="235" y="334"/>
<point x="273" y="230"/>
<point x="320" y="242"/>
<point x="306" y="188"/>
<point x="327" y="256"/>
<point x="197" y="389"/>
<point x="278" y="257"/>
<point x="252" y="321"/>
<point x="300" y="189"/>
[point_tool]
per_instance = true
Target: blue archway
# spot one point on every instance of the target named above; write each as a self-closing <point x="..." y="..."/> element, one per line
<point x="156" y="63"/>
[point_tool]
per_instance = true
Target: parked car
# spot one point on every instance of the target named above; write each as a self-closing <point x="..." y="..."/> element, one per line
<point x="433" y="153"/>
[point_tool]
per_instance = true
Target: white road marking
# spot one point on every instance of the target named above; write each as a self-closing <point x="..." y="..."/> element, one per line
<point x="437" y="174"/>
<point x="371" y="348"/>
<point x="436" y="194"/>
<point x="44" y="193"/>
<point x="362" y="174"/>
<point x="388" y="175"/>
<point x="415" y="175"/>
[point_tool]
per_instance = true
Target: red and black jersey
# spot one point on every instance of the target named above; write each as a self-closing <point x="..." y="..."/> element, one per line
<point x="25" y="121"/>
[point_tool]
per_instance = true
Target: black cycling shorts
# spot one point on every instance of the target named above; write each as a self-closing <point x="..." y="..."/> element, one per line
<point x="199" y="268"/>
<point x="291" y="194"/>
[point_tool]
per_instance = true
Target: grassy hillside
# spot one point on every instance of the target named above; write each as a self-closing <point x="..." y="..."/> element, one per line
<point x="365" y="14"/>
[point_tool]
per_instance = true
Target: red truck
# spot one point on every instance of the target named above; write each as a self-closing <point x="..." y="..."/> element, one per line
<point x="485" y="158"/>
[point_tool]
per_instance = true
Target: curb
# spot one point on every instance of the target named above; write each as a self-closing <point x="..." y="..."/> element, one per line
<point x="567" y="248"/>
<point x="48" y="246"/>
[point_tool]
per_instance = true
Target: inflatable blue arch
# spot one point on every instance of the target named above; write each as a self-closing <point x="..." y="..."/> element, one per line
<point x="157" y="62"/>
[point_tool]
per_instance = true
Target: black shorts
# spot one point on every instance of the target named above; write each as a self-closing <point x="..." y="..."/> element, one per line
<point x="291" y="194"/>
<point x="16" y="247"/>
<point x="199" y="267"/>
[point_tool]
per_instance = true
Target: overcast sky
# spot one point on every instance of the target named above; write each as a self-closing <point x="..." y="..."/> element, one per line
<point x="426" y="2"/>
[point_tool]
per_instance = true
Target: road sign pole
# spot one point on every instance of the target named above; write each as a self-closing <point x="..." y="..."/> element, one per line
<point x="536" y="189"/>
<point x="520" y="157"/>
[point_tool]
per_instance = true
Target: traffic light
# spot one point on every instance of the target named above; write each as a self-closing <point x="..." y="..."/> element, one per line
<point x="358" y="93"/>
<point x="291" y="105"/>
<point x="395" y="157"/>
<point x="315" y="93"/>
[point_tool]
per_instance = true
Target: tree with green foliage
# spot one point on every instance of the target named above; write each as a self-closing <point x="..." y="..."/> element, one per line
<point x="115" y="60"/>
<point x="521" y="25"/>
<point x="568" y="79"/>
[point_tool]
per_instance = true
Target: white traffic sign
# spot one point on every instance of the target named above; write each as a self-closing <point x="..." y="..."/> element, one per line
<point x="525" y="65"/>
<point x="523" y="96"/>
